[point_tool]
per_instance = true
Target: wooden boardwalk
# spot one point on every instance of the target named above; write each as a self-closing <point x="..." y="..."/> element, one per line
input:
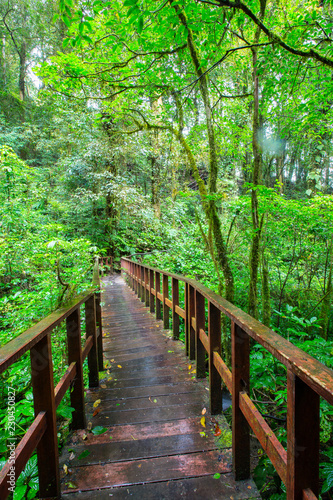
<point x="155" y="446"/>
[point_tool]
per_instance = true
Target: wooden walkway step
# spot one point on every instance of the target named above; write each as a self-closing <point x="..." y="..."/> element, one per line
<point x="149" y="409"/>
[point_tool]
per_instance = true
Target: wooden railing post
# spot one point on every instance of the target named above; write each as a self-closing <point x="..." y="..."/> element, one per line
<point x="214" y="336"/>
<point x="200" y="324"/>
<point x="151" y="296"/>
<point x="303" y="438"/>
<point x="99" y="331"/>
<point x="90" y="311"/>
<point x="146" y="273"/>
<point x="187" y="318"/>
<point x="132" y="274"/>
<point x="157" y="291"/>
<point x="142" y="274"/>
<point x="75" y="355"/>
<point x="191" y="347"/>
<point x="135" y="283"/>
<point x="240" y="345"/>
<point x="43" y="391"/>
<point x="165" y="296"/>
<point x="175" y="302"/>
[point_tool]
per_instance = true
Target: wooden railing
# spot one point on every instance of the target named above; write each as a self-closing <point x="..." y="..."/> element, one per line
<point x="307" y="378"/>
<point x="108" y="262"/>
<point x="42" y="434"/>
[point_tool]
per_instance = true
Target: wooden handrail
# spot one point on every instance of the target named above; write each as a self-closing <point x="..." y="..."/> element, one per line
<point x="307" y="378"/>
<point x="42" y="434"/>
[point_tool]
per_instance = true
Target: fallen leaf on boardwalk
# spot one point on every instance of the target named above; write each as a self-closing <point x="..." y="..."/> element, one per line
<point x="84" y="454"/>
<point x="99" y="429"/>
<point x="97" y="402"/>
<point x="203" y="411"/>
<point x="203" y="434"/>
<point x="71" y="485"/>
<point x="155" y="400"/>
<point x="139" y="465"/>
<point x="84" y="437"/>
<point x="65" y="468"/>
<point x="89" y="426"/>
<point x="218" y="431"/>
<point x="96" y="412"/>
<point x="194" y="371"/>
<point x="217" y="475"/>
<point x="171" y="351"/>
<point x="108" y="372"/>
<point x="110" y="378"/>
<point x="110" y="437"/>
<point x="119" y="366"/>
<point x="249" y="487"/>
<point x="133" y="438"/>
<point x="103" y="386"/>
<point x="203" y="421"/>
<point x="112" y="360"/>
<point x="189" y="367"/>
<point x="72" y="456"/>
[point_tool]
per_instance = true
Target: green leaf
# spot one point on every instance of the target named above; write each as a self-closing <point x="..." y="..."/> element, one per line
<point x="217" y="475"/>
<point x="99" y="429"/>
<point x="84" y="454"/>
<point x="66" y="20"/>
<point x="19" y="492"/>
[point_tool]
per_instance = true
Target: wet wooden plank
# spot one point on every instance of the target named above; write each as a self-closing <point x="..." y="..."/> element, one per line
<point x="132" y="432"/>
<point x="135" y="382"/>
<point x="146" y="471"/>
<point x="138" y="449"/>
<point x="132" y="392"/>
<point x="196" y="488"/>
<point x="147" y="415"/>
<point x="148" y="402"/>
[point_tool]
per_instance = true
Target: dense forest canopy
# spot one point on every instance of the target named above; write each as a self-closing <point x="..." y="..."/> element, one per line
<point x="198" y="133"/>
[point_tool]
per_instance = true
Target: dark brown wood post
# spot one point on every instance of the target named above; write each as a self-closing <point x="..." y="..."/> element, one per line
<point x="302" y="438"/>
<point x="143" y="294"/>
<point x="214" y="336"/>
<point x="132" y="273"/>
<point x="200" y="351"/>
<point x="135" y="272"/>
<point x="191" y="349"/>
<point x="75" y="355"/>
<point x="90" y="311"/>
<point x="175" y="302"/>
<point x="165" y="296"/>
<point x="151" y="296"/>
<point x="99" y="331"/>
<point x="157" y="291"/>
<point x="43" y="391"/>
<point x="146" y="272"/>
<point x="240" y="347"/>
<point x="187" y="319"/>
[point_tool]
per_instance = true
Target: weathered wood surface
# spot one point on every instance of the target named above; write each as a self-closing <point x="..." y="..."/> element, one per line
<point x="151" y="406"/>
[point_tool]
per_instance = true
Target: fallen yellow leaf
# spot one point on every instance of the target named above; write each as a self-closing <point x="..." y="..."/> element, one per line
<point x="119" y="366"/>
<point x="203" y="421"/>
<point x="203" y="411"/>
<point x="189" y="367"/>
<point x="97" y="402"/>
<point x="65" y="469"/>
<point x="103" y="386"/>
